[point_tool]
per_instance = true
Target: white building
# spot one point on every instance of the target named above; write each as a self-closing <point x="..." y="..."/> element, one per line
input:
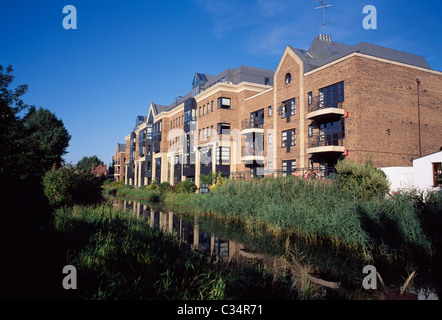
<point x="425" y="174"/>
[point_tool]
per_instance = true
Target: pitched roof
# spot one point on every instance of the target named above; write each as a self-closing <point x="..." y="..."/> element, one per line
<point x="323" y="51"/>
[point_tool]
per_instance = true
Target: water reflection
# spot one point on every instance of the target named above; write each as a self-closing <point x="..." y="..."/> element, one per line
<point x="228" y="241"/>
<point x="186" y="229"/>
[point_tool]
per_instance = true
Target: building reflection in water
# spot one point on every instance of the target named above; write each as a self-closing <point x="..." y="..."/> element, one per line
<point x="186" y="231"/>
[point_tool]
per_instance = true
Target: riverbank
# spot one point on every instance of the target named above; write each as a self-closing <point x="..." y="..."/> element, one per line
<point x="119" y="256"/>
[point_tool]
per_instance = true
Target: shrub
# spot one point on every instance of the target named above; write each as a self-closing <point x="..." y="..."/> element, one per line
<point x="186" y="187"/>
<point x="362" y="180"/>
<point x="219" y="182"/>
<point x="208" y="178"/>
<point x="152" y="186"/>
<point x="71" y="185"/>
<point x="164" y="186"/>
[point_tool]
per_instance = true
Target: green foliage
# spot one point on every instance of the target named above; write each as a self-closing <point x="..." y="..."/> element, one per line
<point x="121" y="257"/>
<point x="12" y="133"/>
<point x="208" y="179"/>
<point x="70" y="185"/>
<point x="32" y="144"/>
<point x="153" y="196"/>
<point x="166" y="187"/>
<point x="152" y="186"/>
<point x="362" y="180"/>
<point x="87" y="162"/>
<point x="47" y="138"/>
<point x="186" y="187"/>
<point x="324" y="211"/>
<point x="219" y="182"/>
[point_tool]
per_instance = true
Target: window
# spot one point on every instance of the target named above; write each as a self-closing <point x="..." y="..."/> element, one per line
<point x="200" y="112"/>
<point x="270" y="167"/>
<point x="293" y="165"/>
<point x="282" y="110"/>
<point x="270" y="111"/>
<point x="269" y="138"/>
<point x="284" y="168"/>
<point x="223" y="128"/>
<point x="310" y="131"/>
<point x="331" y="96"/>
<point x="224" y="103"/>
<point x="310" y="98"/>
<point x="437" y="174"/>
<point x="211" y="106"/>
<point x="332" y="132"/>
<point x="223" y="156"/>
<point x="293" y="138"/>
<point x="288" y="138"/>
<point x="292" y="107"/>
<point x="257" y="119"/>
<point x="288" y="78"/>
<point x="266" y="81"/>
<point x="204" y="109"/>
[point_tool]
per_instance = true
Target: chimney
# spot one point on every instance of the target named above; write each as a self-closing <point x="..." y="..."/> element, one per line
<point x="324" y="38"/>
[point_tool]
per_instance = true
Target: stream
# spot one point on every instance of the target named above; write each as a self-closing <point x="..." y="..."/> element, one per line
<point x="338" y="272"/>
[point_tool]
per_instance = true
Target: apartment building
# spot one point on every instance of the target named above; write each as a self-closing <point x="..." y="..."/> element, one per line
<point x="119" y="161"/>
<point x="330" y="102"/>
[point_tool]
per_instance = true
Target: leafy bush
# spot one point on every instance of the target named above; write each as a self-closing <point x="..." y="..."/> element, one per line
<point x="208" y="178"/>
<point x="219" y="182"/>
<point x="362" y="180"/>
<point x="152" y="186"/>
<point x="166" y="187"/>
<point x="186" y="187"/>
<point x="70" y="185"/>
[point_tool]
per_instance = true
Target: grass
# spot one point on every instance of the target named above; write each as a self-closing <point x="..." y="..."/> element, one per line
<point x="319" y="211"/>
<point x="119" y="256"/>
<point x="322" y="212"/>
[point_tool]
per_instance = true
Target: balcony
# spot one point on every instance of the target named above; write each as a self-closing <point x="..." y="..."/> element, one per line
<point x="322" y="143"/>
<point x="249" y="126"/>
<point x="320" y="108"/>
<point x="252" y="153"/>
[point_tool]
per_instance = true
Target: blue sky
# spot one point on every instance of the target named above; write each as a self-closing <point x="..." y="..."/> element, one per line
<point x="126" y="54"/>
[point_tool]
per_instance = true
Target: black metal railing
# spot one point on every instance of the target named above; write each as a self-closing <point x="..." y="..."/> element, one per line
<point x="323" y="140"/>
<point x="319" y="102"/>
<point x="252" y="124"/>
<point x="322" y="172"/>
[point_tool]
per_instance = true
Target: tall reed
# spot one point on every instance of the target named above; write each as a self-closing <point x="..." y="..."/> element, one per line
<point x="320" y="211"/>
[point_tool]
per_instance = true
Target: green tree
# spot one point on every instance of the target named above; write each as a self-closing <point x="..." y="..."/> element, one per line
<point x="12" y="133"/>
<point x="86" y="162"/>
<point x="70" y="185"/>
<point x="47" y="140"/>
